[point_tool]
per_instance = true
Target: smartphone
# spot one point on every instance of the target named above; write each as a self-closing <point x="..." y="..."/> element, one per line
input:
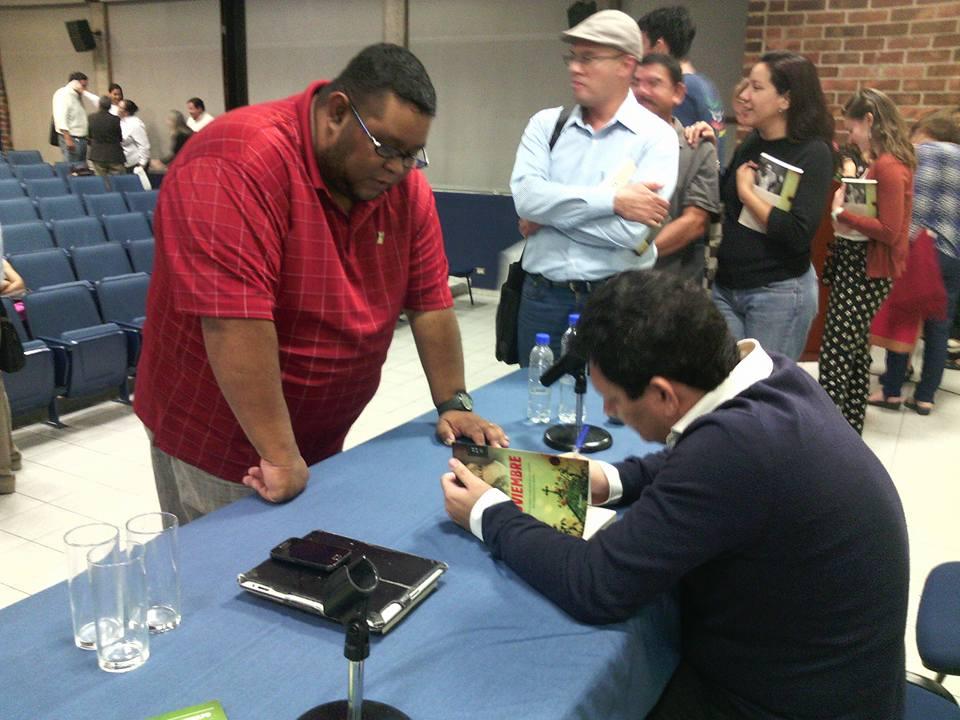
<point x="307" y="553"/>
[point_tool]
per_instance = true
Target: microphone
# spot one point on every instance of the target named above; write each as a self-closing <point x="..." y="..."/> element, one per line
<point x="568" y="364"/>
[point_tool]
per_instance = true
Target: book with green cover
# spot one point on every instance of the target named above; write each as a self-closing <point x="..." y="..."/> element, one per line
<point x="776" y="182"/>
<point x="554" y="489"/>
<point x="211" y="710"/>
<point x="860" y="198"/>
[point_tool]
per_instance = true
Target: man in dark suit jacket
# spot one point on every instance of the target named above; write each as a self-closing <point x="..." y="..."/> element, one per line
<point x="106" y="150"/>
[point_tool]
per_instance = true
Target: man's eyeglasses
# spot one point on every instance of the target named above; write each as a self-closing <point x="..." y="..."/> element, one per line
<point x="586" y="60"/>
<point x="416" y="159"/>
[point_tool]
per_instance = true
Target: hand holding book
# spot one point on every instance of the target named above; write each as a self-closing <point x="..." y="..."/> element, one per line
<point x="764" y="185"/>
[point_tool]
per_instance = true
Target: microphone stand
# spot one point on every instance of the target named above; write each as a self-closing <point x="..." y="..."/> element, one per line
<point x="564" y="436"/>
<point x="346" y="596"/>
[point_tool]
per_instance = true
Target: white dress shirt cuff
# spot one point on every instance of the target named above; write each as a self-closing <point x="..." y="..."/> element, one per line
<point x="613" y="481"/>
<point x="490" y="497"/>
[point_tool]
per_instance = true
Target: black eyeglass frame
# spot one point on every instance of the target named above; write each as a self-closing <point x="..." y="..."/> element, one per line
<point x="418" y="160"/>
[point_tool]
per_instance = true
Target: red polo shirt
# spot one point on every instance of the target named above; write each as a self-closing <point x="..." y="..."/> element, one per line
<point x="246" y="228"/>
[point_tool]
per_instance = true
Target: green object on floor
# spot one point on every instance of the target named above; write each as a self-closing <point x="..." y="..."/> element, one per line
<point x="211" y="710"/>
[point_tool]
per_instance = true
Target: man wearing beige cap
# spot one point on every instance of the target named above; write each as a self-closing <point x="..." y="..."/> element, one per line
<point x="589" y="186"/>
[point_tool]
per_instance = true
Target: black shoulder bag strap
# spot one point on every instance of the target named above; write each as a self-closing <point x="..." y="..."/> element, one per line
<point x="558" y="128"/>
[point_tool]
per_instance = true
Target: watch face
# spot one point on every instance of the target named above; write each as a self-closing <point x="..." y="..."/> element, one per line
<point x="466" y="401"/>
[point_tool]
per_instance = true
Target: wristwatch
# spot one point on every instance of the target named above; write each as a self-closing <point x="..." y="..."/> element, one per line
<point x="461" y="400"/>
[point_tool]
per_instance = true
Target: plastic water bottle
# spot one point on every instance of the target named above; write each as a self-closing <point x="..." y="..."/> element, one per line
<point x="538" y="396"/>
<point x="568" y="397"/>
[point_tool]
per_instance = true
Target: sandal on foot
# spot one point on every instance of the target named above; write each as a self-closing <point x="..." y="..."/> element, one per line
<point x="885" y="403"/>
<point x="919" y="407"/>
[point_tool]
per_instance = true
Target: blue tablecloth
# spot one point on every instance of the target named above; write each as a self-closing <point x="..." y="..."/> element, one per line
<point x="484" y="645"/>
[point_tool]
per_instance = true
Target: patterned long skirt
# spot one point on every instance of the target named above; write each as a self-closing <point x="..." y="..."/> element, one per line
<point x="845" y="350"/>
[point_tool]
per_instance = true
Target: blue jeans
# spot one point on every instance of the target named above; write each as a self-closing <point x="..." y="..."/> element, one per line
<point x="778" y="314"/>
<point x="79" y="153"/>
<point x="935" y="336"/>
<point x="544" y="309"/>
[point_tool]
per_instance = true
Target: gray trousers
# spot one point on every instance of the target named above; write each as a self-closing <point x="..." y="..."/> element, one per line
<point x="9" y="454"/>
<point x="187" y="491"/>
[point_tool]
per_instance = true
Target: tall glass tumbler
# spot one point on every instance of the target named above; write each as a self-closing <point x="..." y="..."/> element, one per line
<point x="157" y="532"/>
<point x="78" y="542"/>
<point x="118" y="579"/>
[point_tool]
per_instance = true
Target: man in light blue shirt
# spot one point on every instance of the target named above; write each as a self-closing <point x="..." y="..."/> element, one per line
<point x="588" y="203"/>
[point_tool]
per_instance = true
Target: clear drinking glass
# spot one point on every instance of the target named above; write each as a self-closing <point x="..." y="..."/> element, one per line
<point x="78" y="542"/>
<point x="157" y="532"/>
<point x="118" y="579"/>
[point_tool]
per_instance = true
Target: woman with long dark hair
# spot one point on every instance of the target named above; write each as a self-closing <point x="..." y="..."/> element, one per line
<point x="765" y="286"/>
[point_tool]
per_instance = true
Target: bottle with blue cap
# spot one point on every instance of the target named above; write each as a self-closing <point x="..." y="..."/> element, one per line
<point x="568" y="397"/>
<point x="538" y="396"/>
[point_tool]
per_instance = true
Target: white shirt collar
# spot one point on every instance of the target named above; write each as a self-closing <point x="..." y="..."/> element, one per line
<point x="754" y="365"/>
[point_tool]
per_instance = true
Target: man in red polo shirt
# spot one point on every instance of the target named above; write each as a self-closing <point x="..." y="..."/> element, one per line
<point x="290" y="236"/>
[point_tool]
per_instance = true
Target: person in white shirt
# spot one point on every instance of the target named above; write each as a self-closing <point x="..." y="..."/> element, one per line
<point x="198" y="118"/>
<point x="136" y="144"/>
<point x="70" y="117"/>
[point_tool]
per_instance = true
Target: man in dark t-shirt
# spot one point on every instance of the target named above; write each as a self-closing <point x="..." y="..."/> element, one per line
<point x="670" y="30"/>
<point x="778" y="529"/>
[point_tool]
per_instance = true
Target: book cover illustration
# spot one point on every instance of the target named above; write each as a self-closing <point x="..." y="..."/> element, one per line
<point x="776" y="183"/>
<point x="860" y="198"/>
<point x="554" y="489"/>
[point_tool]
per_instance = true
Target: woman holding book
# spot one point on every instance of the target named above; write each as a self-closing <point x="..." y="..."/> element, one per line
<point x="765" y="286"/>
<point x="864" y="268"/>
<point x="936" y="188"/>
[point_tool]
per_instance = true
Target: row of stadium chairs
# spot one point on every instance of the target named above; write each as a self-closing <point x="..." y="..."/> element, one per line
<point x="76" y="232"/>
<point x="91" y="263"/>
<point x="50" y="186"/>
<point x="22" y="157"/>
<point x="79" y="340"/>
<point x="65" y="207"/>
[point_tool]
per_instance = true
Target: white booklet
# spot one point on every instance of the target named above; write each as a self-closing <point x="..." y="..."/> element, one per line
<point x="776" y="183"/>
<point x="860" y="198"/>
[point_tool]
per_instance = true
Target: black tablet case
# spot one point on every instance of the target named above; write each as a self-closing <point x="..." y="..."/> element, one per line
<point x="405" y="579"/>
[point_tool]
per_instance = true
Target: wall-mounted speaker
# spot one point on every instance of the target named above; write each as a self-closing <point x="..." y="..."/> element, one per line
<point x="81" y="36"/>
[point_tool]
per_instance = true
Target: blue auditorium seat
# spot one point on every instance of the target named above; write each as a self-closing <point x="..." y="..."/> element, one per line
<point x="91" y="355"/>
<point x="33" y="172"/>
<point x="110" y="203"/>
<point x="95" y="262"/>
<point x="126" y="184"/>
<point x="144" y="201"/>
<point x="34" y="386"/>
<point x="45" y="187"/>
<point x="129" y="226"/>
<point x="26" y="237"/>
<point x="64" y="207"/>
<point x="17" y="210"/>
<point x="11" y="189"/>
<point x="43" y="267"/>
<point x="87" y="184"/>
<point x="78" y="232"/>
<point x="24" y="157"/>
<point x="141" y="254"/>
<point x="123" y="300"/>
<point x="62" y="168"/>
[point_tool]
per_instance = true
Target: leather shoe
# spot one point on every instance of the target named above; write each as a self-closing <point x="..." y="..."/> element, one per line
<point x="884" y="402"/>
<point x="919" y="409"/>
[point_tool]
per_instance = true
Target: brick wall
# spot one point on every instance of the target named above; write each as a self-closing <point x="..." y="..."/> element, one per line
<point x="910" y="49"/>
<point x="5" y="137"/>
